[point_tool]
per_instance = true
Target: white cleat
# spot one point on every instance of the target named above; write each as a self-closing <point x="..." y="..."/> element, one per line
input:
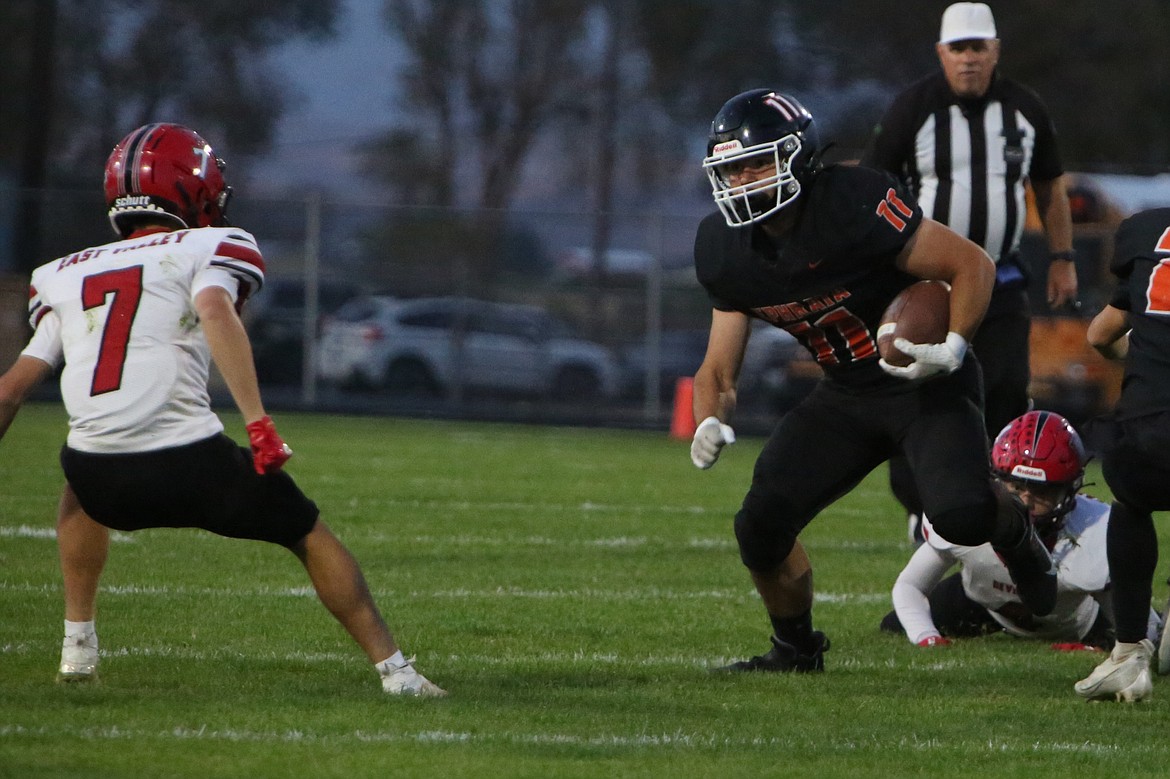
<point x="404" y="680"/>
<point x="79" y="659"/>
<point x="1123" y="676"/>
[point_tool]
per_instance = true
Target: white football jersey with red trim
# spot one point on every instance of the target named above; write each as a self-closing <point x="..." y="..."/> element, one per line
<point x="1082" y="571"/>
<point x="122" y="316"/>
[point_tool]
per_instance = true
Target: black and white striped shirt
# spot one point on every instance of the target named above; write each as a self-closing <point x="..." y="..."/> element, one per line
<point x="967" y="160"/>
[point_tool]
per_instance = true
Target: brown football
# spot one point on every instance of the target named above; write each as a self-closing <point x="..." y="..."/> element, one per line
<point x="921" y="314"/>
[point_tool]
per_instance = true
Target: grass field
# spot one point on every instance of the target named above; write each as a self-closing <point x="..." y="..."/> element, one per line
<point x="569" y="587"/>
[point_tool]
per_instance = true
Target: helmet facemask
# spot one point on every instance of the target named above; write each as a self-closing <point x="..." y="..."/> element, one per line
<point x="1061" y="496"/>
<point x="756" y="200"/>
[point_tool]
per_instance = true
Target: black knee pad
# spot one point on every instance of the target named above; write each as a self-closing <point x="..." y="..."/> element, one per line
<point x="764" y="543"/>
<point x="969" y="525"/>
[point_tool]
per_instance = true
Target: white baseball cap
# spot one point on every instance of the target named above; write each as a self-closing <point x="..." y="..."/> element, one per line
<point x="967" y="21"/>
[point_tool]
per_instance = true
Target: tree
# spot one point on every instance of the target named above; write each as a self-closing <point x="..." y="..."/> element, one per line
<point x="483" y="79"/>
<point x="122" y="63"/>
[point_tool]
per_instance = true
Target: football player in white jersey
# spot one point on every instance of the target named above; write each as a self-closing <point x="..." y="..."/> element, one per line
<point x="137" y="323"/>
<point x="1040" y="459"/>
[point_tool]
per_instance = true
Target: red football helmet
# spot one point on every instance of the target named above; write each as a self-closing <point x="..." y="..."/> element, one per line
<point x="1041" y="448"/>
<point x="169" y="171"/>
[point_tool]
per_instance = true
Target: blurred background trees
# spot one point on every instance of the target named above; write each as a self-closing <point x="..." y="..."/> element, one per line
<point x="595" y="104"/>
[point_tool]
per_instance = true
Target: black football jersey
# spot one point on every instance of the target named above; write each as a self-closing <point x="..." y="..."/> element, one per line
<point x="828" y="281"/>
<point x="1141" y="261"/>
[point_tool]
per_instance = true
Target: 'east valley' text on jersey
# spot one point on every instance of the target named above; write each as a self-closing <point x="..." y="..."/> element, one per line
<point x="122" y="316"/>
<point x="828" y="281"/>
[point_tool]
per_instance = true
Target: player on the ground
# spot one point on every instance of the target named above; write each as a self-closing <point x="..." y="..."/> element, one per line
<point x="821" y="252"/>
<point x="1039" y="457"/>
<point x="136" y="323"/>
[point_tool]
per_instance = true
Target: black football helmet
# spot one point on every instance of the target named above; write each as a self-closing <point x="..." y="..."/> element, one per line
<point x="752" y="130"/>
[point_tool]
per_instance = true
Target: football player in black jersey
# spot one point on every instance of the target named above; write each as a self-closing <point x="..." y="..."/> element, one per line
<point x="821" y="251"/>
<point x="1135" y="327"/>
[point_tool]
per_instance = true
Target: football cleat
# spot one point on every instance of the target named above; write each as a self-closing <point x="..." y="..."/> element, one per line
<point x="784" y="658"/>
<point x="1123" y="676"/>
<point x="79" y="659"/>
<point x="404" y="680"/>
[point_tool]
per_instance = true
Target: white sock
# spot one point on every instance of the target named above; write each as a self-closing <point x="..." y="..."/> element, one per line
<point x="391" y="663"/>
<point x="80" y="629"/>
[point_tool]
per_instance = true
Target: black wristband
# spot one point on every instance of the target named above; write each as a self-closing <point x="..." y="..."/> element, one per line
<point x="1068" y="256"/>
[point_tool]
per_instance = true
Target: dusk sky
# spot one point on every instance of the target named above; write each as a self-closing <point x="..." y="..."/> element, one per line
<point x="341" y="93"/>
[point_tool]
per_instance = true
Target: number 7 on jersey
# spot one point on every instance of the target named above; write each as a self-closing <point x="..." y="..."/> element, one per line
<point x="125" y="287"/>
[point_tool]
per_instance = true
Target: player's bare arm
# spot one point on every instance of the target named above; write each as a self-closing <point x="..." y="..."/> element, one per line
<point x="716" y="378"/>
<point x="937" y="252"/>
<point x="230" y="349"/>
<point x="1108" y="333"/>
<point x="19" y="380"/>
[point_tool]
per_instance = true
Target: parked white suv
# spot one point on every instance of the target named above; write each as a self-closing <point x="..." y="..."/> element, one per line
<point x="429" y="346"/>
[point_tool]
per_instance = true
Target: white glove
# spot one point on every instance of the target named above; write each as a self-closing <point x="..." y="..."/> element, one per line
<point x="710" y="436"/>
<point x="929" y="359"/>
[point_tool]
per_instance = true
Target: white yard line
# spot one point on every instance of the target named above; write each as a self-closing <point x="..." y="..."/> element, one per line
<point x="637" y="594"/>
<point x="638" y="740"/>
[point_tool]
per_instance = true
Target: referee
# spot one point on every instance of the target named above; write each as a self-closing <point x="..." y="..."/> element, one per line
<point x="967" y="140"/>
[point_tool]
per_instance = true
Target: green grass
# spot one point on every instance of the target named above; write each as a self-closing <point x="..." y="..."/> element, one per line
<point x="569" y="587"/>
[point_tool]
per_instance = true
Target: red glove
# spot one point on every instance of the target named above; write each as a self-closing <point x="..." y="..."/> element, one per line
<point x="935" y="641"/>
<point x="269" y="452"/>
<point x="1076" y="647"/>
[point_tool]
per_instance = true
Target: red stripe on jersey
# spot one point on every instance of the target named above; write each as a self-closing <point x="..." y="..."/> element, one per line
<point x="39" y="315"/>
<point x="235" y="251"/>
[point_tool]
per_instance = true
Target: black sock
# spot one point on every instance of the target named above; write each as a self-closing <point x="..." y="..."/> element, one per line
<point x="1132" y="549"/>
<point x="796" y="631"/>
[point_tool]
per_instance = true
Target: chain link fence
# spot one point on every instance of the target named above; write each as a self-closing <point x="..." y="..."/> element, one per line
<point x="548" y="317"/>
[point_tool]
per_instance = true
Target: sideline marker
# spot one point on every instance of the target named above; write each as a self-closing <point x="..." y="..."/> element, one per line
<point x="682" y="422"/>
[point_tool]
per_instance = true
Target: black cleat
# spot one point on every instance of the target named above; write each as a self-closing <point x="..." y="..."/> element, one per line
<point x="784" y="658"/>
<point x="891" y="624"/>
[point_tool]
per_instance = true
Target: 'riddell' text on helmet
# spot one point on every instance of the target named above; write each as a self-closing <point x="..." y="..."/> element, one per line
<point x="1043" y="448"/>
<point x="165" y="172"/>
<point x="764" y="131"/>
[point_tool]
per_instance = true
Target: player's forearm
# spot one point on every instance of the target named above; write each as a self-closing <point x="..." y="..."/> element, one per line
<point x="713" y="397"/>
<point x="1108" y="333"/>
<point x="971" y="292"/>
<point x="913" y="609"/>
<point x="232" y="353"/>
<point x="15" y="385"/>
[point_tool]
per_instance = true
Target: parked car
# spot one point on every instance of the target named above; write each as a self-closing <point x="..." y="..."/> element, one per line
<point x="275" y="319"/>
<point x="679" y="354"/>
<point x="776" y="372"/>
<point x="430" y="346"/>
